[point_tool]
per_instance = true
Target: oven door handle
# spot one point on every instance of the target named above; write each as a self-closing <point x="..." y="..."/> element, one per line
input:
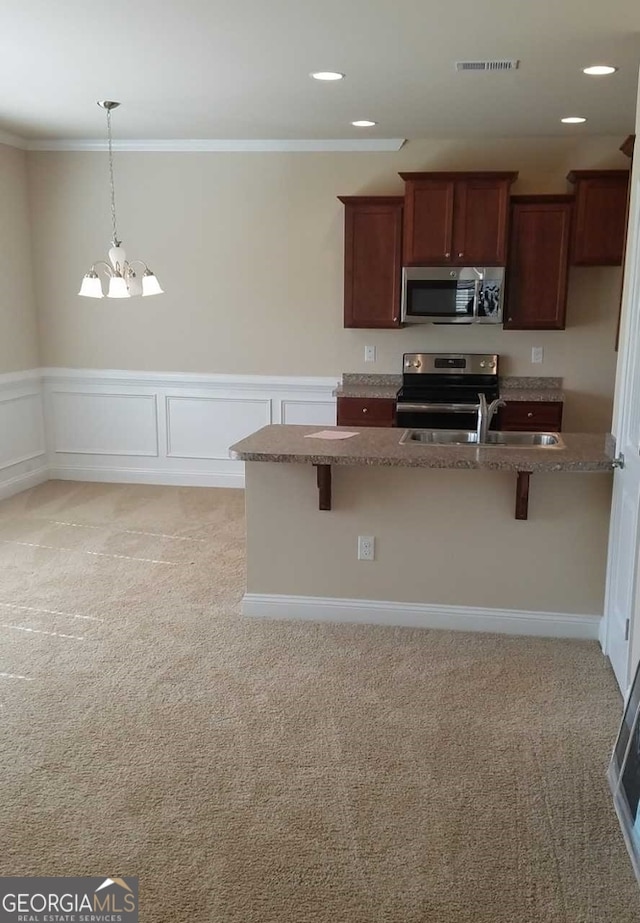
<point x="402" y="407"/>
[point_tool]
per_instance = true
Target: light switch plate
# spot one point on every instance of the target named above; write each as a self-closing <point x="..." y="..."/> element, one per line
<point x="369" y="354"/>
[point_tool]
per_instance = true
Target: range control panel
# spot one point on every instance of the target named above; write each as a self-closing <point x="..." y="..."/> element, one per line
<point x="450" y="364"/>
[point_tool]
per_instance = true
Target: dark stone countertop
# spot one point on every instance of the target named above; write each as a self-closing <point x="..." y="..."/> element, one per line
<point x="512" y="388"/>
<point x="583" y="452"/>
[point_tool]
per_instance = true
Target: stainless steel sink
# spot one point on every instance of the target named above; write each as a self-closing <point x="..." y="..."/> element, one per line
<point x="440" y="436"/>
<point x="528" y="440"/>
<point x="494" y="439"/>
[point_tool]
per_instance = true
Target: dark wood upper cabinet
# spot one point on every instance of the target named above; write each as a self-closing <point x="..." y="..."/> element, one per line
<point x="540" y="234"/>
<point x="601" y="217"/>
<point x="428" y="221"/>
<point x="626" y="147"/>
<point x="372" y="260"/>
<point x="456" y="218"/>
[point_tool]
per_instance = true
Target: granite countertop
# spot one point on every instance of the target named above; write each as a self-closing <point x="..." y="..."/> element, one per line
<point x="512" y="388"/>
<point x="368" y="386"/>
<point x="521" y="388"/>
<point x="583" y="452"/>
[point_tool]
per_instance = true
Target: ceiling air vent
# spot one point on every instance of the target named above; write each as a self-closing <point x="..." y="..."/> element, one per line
<point x="506" y="65"/>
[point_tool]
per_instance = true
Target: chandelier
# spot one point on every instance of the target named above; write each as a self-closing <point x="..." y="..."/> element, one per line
<point x="119" y="271"/>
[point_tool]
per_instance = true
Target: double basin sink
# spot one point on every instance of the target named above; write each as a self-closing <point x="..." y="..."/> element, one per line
<point x="494" y="438"/>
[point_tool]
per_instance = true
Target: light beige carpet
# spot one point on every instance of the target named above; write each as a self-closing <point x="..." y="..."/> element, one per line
<point x="254" y="772"/>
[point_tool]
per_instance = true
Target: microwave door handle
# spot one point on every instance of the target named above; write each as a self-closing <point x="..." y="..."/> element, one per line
<point x="476" y="298"/>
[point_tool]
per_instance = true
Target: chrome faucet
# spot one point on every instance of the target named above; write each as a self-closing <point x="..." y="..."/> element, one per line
<point x="485" y="415"/>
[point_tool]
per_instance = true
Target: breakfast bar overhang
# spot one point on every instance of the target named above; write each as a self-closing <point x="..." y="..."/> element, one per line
<point x="448" y="550"/>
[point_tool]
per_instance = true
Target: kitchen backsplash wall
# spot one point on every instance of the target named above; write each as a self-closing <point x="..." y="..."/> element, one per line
<point x="249" y="248"/>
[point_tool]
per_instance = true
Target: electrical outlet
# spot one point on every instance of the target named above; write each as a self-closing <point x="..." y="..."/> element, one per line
<point x="366" y="547"/>
<point x="369" y="354"/>
<point x="537" y="354"/>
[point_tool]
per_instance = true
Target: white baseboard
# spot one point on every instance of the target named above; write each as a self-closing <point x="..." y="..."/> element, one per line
<point x="20" y="482"/>
<point x="602" y="635"/>
<point x="422" y="615"/>
<point x="114" y="475"/>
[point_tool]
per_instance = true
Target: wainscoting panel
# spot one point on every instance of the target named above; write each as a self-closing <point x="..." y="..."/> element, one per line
<point x="205" y="427"/>
<point x="22" y="436"/>
<point x="85" y="423"/>
<point x="168" y="428"/>
<point x="311" y="413"/>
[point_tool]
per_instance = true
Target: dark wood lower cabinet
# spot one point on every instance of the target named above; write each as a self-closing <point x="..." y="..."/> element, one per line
<point x="531" y="416"/>
<point x="357" y="411"/>
<point x="518" y="416"/>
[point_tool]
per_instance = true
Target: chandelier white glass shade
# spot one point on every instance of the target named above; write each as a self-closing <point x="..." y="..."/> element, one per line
<point x="119" y="270"/>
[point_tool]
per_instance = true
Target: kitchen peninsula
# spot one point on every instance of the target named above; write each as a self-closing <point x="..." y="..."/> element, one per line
<point x="448" y="551"/>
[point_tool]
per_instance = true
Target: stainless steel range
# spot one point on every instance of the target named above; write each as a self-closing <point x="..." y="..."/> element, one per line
<point x="441" y="390"/>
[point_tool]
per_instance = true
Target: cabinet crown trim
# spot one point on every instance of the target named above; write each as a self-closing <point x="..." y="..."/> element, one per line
<point x="576" y="175"/>
<point x="372" y="199"/>
<point x="462" y="175"/>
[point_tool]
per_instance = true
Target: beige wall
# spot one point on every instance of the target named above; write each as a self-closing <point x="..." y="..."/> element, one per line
<point x="18" y="335"/>
<point x="249" y="250"/>
<point x="443" y="537"/>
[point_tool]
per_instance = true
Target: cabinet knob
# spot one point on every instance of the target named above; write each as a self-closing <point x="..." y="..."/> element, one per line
<point x="365" y="410"/>
<point x="395" y="320"/>
<point x="530" y="414"/>
<point x="461" y="254"/>
<point x="447" y="255"/>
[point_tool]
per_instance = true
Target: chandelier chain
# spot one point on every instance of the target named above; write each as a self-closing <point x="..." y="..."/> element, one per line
<point x="116" y="242"/>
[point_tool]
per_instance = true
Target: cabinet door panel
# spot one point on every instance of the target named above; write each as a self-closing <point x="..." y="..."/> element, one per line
<point x="428" y="222"/>
<point x="536" y="295"/>
<point x="601" y="217"/>
<point x="357" y="411"/>
<point x="372" y="265"/>
<point x="531" y="416"/>
<point x="480" y="222"/>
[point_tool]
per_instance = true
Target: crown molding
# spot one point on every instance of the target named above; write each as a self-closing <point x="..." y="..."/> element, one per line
<point x="13" y="140"/>
<point x="222" y="145"/>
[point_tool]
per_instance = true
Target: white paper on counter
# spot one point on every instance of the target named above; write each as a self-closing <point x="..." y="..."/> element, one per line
<point x="330" y="434"/>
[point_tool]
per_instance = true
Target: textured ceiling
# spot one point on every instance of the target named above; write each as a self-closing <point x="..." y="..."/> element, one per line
<point x="240" y="69"/>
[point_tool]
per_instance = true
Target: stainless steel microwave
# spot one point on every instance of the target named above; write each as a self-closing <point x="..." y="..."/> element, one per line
<point x="452" y="294"/>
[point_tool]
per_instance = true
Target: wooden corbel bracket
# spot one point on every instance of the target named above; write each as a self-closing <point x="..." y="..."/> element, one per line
<point x="522" y="495"/>
<point x="323" y="477"/>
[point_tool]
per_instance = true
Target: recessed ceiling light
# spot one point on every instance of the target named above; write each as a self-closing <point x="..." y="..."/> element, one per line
<point x="364" y="123"/>
<point x="327" y="75"/>
<point x="573" y="120"/>
<point x="599" y="70"/>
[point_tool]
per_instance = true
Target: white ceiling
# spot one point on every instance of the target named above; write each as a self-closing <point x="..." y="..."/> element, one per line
<point x="239" y="69"/>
